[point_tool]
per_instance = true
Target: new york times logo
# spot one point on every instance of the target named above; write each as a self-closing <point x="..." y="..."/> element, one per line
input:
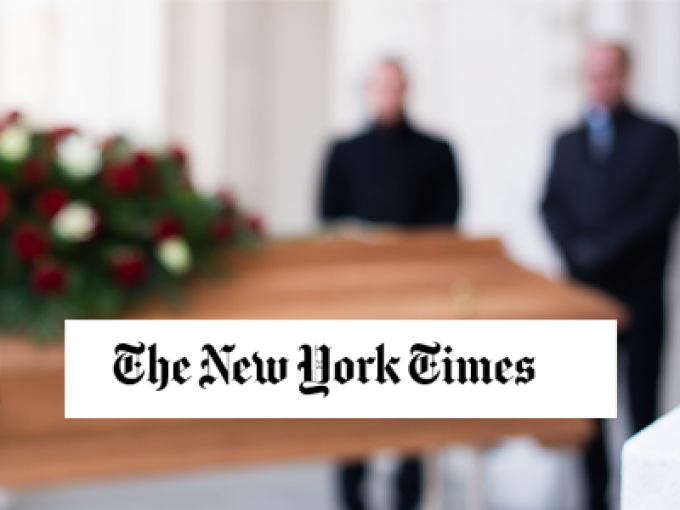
<point x="317" y="368"/>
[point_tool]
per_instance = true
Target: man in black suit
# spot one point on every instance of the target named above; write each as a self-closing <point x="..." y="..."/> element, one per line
<point x="610" y="202"/>
<point x="389" y="174"/>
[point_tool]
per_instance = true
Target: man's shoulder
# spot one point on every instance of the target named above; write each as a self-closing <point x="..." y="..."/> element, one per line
<point x="570" y="134"/>
<point x="432" y="139"/>
<point x="430" y="142"/>
<point x="350" y="142"/>
<point x="653" y="124"/>
<point x="358" y="140"/>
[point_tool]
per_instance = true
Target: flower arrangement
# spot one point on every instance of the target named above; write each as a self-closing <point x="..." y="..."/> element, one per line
<point x="87" y="229"/>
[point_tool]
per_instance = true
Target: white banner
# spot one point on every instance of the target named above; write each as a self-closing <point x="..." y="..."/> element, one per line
<point x="341" y="369"/>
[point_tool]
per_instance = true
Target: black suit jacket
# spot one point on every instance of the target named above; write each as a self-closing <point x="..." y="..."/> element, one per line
<point x="392" y="175"/>
<point x="611" y="219"/>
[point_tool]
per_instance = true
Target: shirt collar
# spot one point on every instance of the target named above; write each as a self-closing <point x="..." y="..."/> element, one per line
<point x="599" y="116"/>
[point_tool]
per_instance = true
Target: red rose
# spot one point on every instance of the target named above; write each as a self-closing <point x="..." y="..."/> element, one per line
<point x="255" y="224"/>
<point x="179" y="155"/>
<point x="9" y="119"/>
<point x="29" y="243"/>
<point x="226" y="198"/>
<point x="222" y="229"/>
<point x="34" y="171"/>
<point x="143" y="160"/>
<point x="50" y="201"/>
<point x="129" y="266"/>
<point x="121" y="178"/>
<point x="111" y="142"/>
<point x="58" y="134"/>
<point x="166" y="227"/>
<point x="49" y="278"/>
<point x="5" y="203"/>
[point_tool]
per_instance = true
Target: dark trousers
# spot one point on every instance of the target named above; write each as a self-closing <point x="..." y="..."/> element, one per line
<point x="641" y="344"/>
<point x="409" y="484"/>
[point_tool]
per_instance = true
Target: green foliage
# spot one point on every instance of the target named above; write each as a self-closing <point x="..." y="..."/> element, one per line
<point x="88" y="231"/>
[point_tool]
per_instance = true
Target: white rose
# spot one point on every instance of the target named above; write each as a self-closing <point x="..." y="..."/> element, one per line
<point x="15" y="143"/>
<point x="79" y="157"/>
<point x="175" y="255"/>
<point x="75" y="222"/>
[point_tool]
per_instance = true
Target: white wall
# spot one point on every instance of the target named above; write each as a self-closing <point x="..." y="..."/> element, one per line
<point x="249" y="93"/>
<point x="98" y="65"/>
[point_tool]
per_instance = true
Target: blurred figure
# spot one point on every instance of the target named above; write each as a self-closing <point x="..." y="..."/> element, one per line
<point x="389" y="174"/>
<point x="612" y="196"/>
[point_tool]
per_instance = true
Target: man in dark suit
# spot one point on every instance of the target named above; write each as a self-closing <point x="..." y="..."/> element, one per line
<point x="389" y="174"/>
<point x="610" y="202"/>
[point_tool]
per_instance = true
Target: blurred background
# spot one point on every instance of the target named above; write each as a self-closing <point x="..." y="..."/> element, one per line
<point x="256" y="88"/>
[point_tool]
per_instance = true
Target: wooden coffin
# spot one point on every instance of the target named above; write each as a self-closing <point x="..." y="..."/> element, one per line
<point x="427" y="275"/>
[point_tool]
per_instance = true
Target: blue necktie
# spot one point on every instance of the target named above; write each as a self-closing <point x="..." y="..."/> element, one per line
<point x="601" y="132"/>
